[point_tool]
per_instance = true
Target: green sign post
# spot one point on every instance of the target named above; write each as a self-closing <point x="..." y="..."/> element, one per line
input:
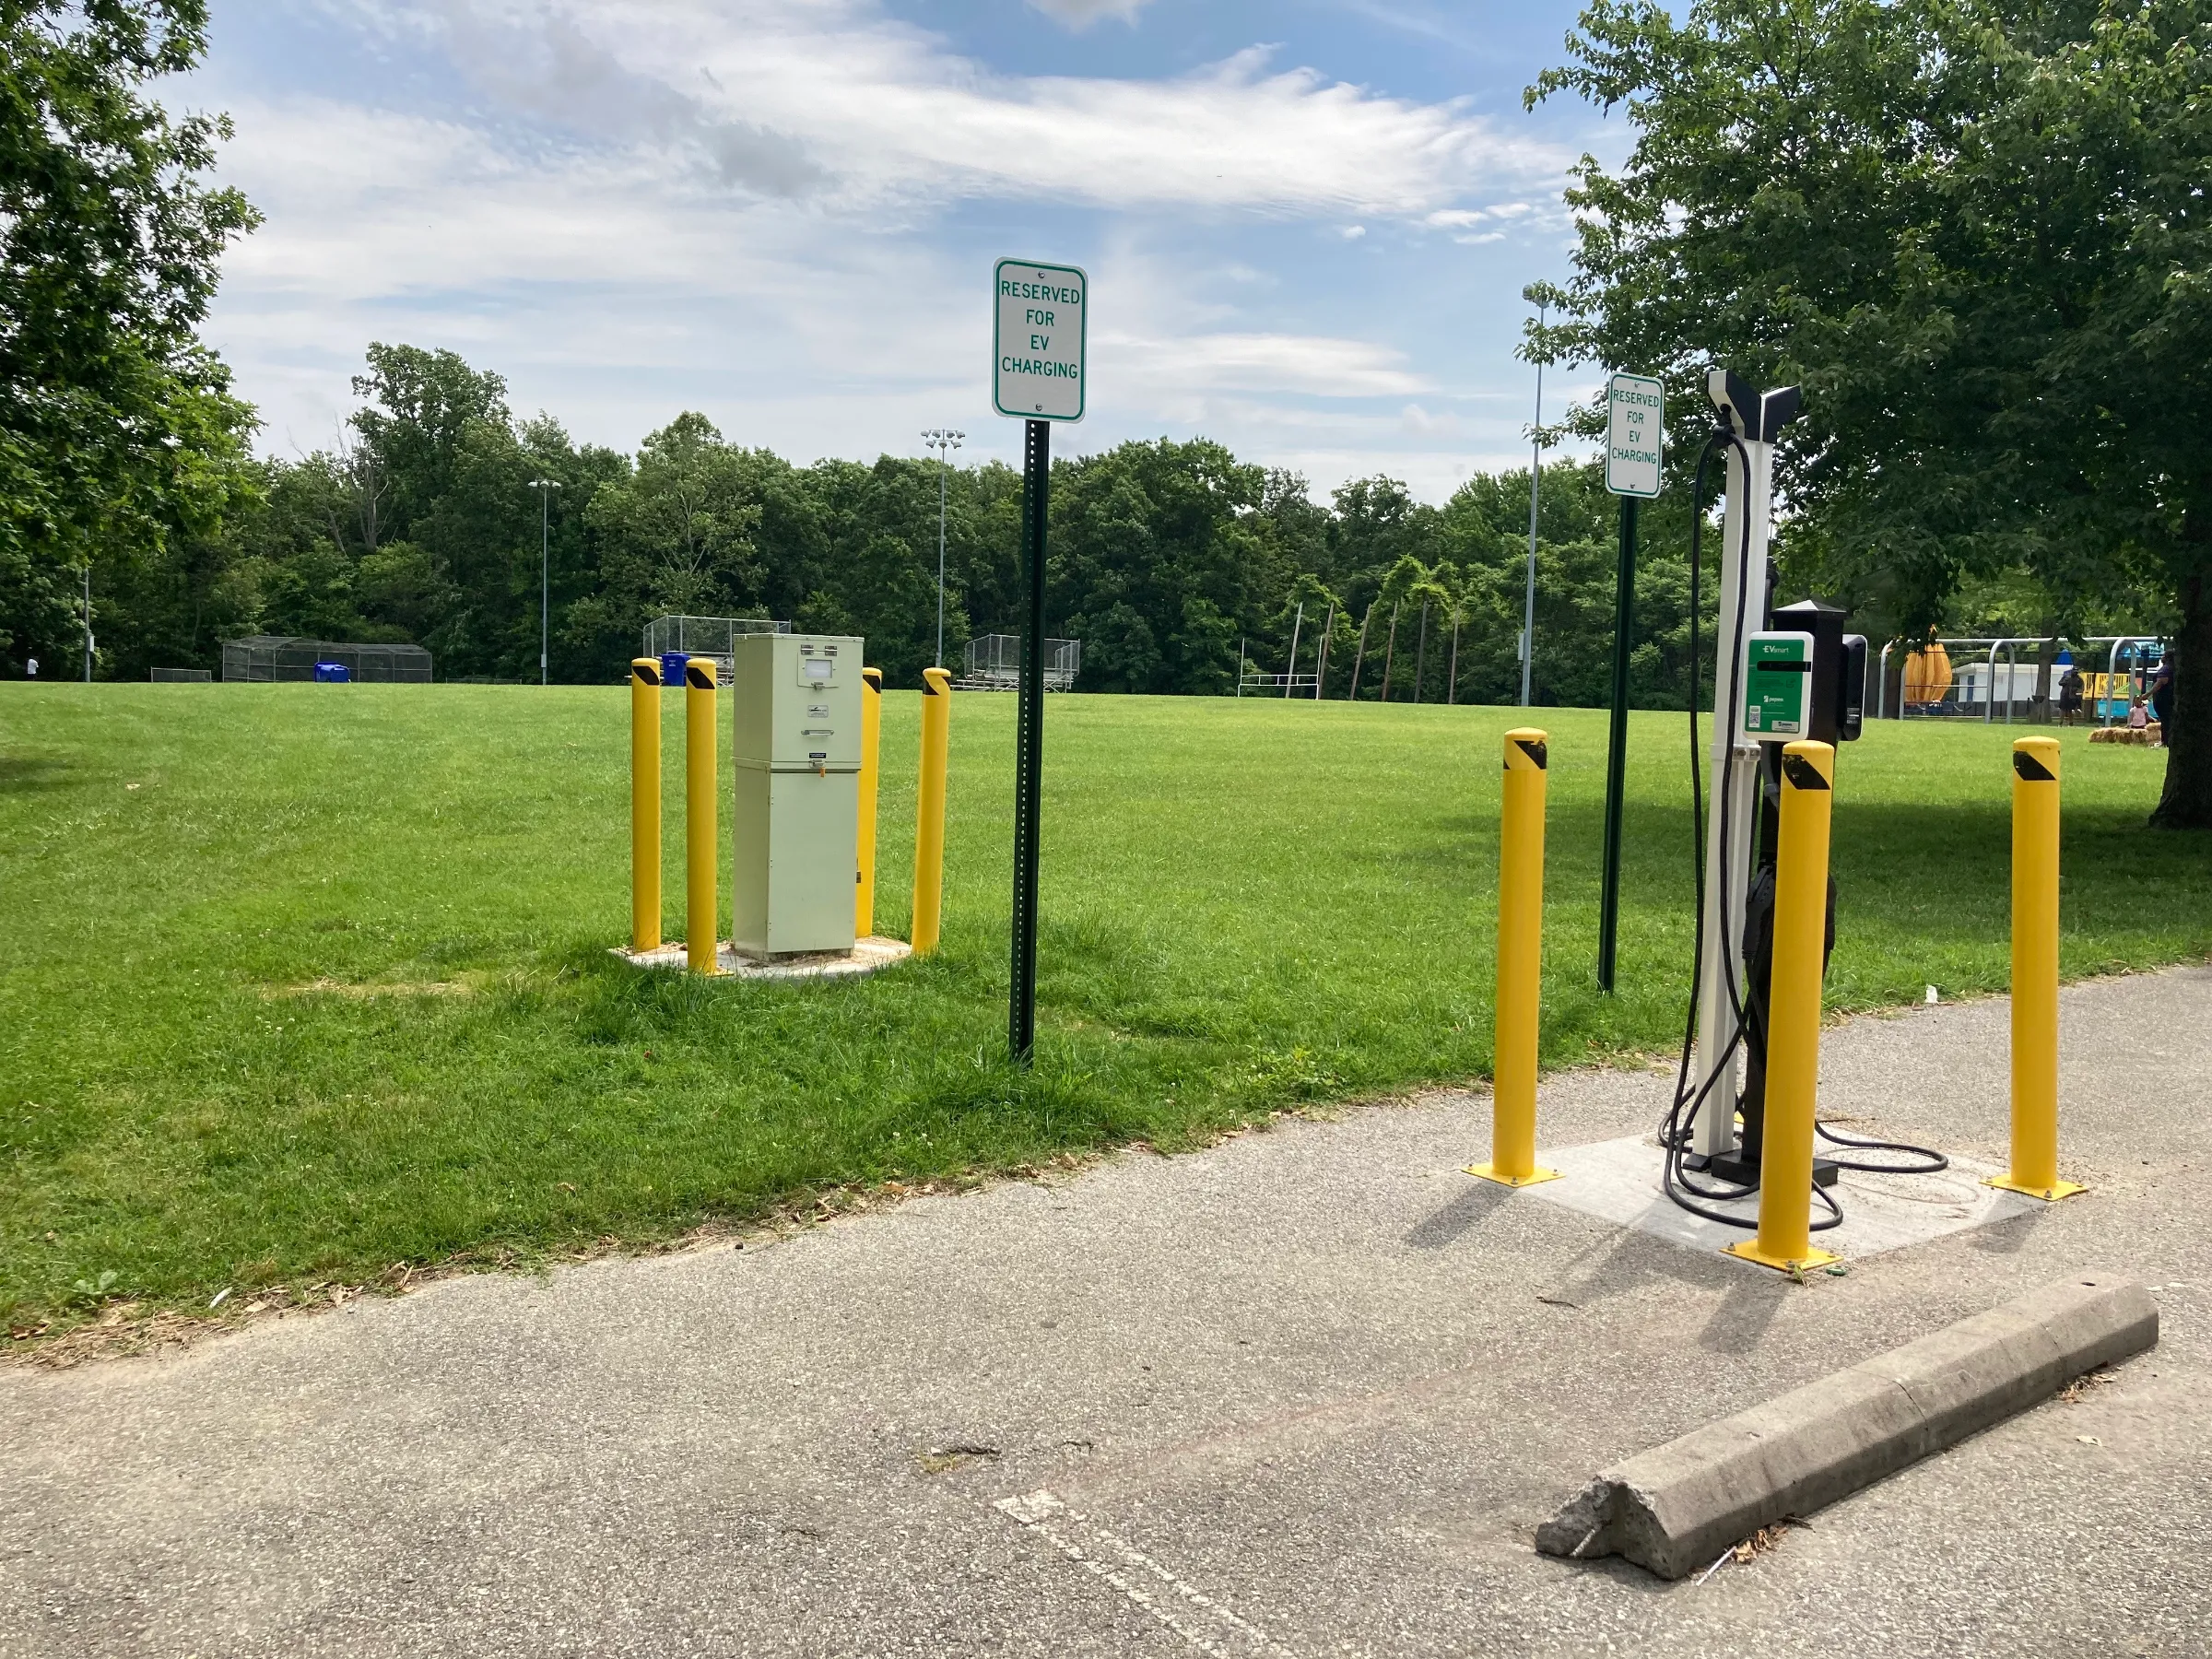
<point x="1635" y="443"/>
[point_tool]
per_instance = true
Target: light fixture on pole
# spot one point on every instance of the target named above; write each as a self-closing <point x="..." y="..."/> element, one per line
<point x="1540" y="298"/>
<point x="544" y="488"/>
<point x="943" y="440"/>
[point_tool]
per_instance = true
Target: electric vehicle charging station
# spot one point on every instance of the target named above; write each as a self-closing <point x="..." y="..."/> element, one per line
<point x="795" y="750"/>
<point x="1795" y="675"/>
<point x="1755" y="420"/>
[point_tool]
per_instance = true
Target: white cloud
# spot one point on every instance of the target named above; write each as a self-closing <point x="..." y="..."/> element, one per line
<point x="741" y="206"/>
<point x="1082" y="14"/>
<point x="1313" y="365"/>
<point x="833" y="97"/>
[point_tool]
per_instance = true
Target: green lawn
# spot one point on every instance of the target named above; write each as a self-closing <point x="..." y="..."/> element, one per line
<point x="1246" y="904"/>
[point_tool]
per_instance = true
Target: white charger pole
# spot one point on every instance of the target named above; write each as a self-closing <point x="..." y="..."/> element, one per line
<point x="1756" y="418"/>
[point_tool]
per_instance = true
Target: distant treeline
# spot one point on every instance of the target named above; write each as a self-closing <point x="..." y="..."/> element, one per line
<point x="424" y="526"/>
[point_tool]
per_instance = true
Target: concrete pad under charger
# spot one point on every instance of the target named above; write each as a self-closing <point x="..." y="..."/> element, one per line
<point x="1617" y="1180"/>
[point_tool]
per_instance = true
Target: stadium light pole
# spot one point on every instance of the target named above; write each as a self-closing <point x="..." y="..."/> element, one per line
<point x="1535" y="297"/>
<point x="943" y="441"/>
<point x="544" y="488"/>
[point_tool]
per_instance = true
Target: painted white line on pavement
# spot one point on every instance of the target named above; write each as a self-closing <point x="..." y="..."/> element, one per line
<point x="1044" y="1513"/>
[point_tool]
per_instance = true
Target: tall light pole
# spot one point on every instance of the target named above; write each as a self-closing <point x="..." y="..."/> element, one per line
<point x="544" y="488"/>
<point x="88" y="621"/>
<point x="1536" y="298"/>
<point x="943" y="441"/>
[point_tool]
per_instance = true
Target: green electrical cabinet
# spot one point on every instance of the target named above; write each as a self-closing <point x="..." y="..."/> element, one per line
<point x="794" y="702"/>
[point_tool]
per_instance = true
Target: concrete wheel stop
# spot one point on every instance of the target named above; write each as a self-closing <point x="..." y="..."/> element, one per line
<point x="1675" y="1507"/>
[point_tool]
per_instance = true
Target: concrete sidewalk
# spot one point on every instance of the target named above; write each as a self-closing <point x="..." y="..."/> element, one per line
<point x="1307" y="1393"/>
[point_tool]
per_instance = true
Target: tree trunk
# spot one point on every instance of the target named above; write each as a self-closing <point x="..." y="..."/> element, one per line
<point x="1421" y="657"/>
<point x="2186" y="801"/>
<point x="1359" y="653"/>
<point x="1390" y="651"/>
<point x="2046" y="657"/>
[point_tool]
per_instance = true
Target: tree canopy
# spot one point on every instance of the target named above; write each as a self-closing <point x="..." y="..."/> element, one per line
<point x="1166" y="557"/>
<point x="1974" y="231"/>
<point x="118" y="431"/>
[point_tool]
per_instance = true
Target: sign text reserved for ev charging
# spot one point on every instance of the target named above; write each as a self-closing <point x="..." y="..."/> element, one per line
<point x="1042" y="316"/>
<point x="1635" y="428"/>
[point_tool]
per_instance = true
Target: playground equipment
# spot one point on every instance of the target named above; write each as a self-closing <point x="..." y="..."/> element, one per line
<point x="2034" y="1167"/>
<point x="700" y="954"/>
<point x="644" y="804"/>
<point x="795" y="748"/>
<point x="1519" y="964"/>
<point x="1962" y="679"/>
<point x="929" y="809"/>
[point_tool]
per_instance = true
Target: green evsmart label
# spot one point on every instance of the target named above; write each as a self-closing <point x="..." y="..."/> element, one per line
<point x="1778" y="682"/>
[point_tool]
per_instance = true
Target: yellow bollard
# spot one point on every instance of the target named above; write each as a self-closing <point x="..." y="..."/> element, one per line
<point x="2035" y="973"/>
<point x="1785" y="1169"/>
<point x="929" y="809"/>
<point x="644" y="804"/>
<point x="1520" y="965"/>
<point x="871" y="742"/>
<point x="699" y="840"/>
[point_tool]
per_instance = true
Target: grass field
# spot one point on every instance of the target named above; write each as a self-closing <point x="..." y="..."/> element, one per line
<point x="300" y="983"/>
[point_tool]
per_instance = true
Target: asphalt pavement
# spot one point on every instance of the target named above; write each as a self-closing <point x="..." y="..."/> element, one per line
<point x="1307" y="1393"/>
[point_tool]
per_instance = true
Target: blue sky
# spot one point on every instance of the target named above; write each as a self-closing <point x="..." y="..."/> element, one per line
<point x="1307" y="223"/>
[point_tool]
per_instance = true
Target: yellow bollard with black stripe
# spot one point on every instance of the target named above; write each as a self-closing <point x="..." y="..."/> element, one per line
<point x="2035" y="974"/>
<point x="699" y="839"/>
<point x="644" y="804"/>
<point x="1785" y="1169"/>
<point x="1519" y="964"/>
<point x="929" y="809"/>
<point x="871" y="743"/>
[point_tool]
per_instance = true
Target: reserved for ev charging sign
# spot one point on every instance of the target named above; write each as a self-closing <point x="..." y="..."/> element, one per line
<point x="1043" y="317"/>
<point x="1635" y="428"/>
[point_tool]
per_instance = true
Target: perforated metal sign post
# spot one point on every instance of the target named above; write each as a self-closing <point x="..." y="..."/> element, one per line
<point x="1041" y="325"/>
<point x="1635" y="438"/>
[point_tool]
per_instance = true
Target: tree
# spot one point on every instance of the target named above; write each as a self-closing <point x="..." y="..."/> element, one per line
<point x="1157" y="565"/>
<point x="680" y="528"/>
<point x="1975" y="231"/>
<point x="118" y="431"/>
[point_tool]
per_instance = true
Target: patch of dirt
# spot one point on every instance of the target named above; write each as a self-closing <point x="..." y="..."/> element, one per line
<point x="2074" y="1393"/>
<point x="330" y="987"/>
<point x="1761" y="1541"/>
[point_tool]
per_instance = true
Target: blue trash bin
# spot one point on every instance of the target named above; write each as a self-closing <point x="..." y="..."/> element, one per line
<point x="332" y="673"/>
<point x="672" y="667"/>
